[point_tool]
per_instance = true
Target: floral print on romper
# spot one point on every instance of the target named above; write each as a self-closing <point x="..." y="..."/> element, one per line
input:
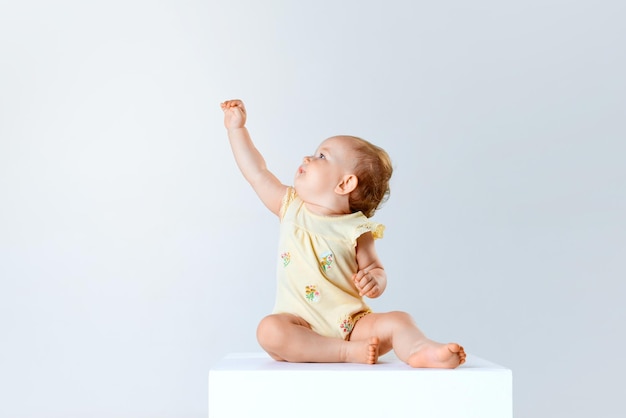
<point x="286" y="257"/>
<point x="327" y="261"/>
<point x="346" y="325"/>
<point x="311" y="293"/>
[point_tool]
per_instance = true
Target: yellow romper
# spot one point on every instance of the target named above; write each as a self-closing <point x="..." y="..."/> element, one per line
<point x="316" y="262"/>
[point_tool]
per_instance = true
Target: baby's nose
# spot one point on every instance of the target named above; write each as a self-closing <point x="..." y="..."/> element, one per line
<point x="306" y="159"/>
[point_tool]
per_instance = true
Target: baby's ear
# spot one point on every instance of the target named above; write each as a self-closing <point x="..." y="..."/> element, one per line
<point x="347" y="184"/>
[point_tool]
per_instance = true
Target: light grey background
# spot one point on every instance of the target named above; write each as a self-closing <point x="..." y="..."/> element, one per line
<point x="133" y="255"/>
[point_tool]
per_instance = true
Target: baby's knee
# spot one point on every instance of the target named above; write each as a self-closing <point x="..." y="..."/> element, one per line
<point x="270" y="332"/>
<point x="400" y="317"/>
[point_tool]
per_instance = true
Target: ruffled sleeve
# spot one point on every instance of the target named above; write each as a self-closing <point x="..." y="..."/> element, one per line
<point x="290" y="195"/>
<point x="375" y="228"/>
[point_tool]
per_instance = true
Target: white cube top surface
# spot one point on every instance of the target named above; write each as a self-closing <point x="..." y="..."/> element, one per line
<point x="389" y="362"/>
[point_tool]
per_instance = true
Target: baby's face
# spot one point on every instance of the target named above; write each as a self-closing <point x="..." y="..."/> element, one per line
<point x="320" y="173"/>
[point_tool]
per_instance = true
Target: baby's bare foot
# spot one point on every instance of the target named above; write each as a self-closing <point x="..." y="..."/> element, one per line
<point x="432" y="354"/>
<point x="365" y="351"/>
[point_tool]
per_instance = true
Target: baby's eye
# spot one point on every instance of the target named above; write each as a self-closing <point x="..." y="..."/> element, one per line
<point x="322" y="156"/>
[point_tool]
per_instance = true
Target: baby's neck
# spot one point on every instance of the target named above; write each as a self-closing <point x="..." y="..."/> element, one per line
<point x="322" y="210"/>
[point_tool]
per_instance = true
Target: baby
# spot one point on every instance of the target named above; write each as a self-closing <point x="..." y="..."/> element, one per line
<point x="327" y="261"/>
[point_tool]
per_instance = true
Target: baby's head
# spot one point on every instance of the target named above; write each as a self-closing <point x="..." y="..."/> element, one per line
<point x="373" y="170"/>
<point x="346" y="175"/>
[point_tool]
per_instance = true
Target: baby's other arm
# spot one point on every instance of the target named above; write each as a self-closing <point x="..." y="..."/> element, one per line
<point x="249" y="160"/>
<point x="370" y="278"/>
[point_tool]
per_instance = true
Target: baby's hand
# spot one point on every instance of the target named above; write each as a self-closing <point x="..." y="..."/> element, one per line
<point x="367" y="283"/>
<point x="234" y="114"/>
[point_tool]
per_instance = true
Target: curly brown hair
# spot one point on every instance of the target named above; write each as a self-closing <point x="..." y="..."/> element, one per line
<point x="373" y="171"/>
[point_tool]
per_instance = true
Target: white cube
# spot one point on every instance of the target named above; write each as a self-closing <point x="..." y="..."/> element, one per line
<point x="253" y="385"/>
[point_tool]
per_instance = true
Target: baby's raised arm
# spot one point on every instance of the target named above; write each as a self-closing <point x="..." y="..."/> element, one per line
<point x="249" y="160"/>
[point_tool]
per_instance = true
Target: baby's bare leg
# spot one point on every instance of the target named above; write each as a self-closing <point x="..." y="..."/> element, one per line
<point x="398" y="331"/>
<point x="287" y="337"/>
